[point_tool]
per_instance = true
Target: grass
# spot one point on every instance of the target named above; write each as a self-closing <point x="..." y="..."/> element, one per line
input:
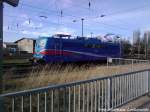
<point x="50" y="75"/>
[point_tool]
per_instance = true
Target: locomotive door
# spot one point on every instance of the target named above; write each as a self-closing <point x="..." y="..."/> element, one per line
<point x="58" y="48"/>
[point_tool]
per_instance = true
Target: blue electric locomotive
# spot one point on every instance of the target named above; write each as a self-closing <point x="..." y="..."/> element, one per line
<point x="63" y="48"/>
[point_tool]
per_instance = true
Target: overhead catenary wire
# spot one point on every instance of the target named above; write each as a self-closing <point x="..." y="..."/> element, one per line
<point x="86" y="18"/>
<point x="45" y="10"/>
<point x="22" y="32"/>
<point x="56" y="11"/>
<point x="112" y="27"/>
<point x="104" y="24"/>
<point x="91" y="29"/>
<point x="97" y="16"/>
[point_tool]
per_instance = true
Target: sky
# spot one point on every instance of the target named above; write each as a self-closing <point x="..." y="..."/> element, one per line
<point x="32" y="19"/>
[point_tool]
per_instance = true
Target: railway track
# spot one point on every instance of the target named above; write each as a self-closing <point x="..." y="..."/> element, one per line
<point x="13" y="65"/>
<point x="17" y="70"/>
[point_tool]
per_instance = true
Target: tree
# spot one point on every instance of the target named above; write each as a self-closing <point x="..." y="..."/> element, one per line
<point x="126" y="47"/>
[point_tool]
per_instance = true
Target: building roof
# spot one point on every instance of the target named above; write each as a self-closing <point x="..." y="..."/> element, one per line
<point x="9" y="43"/>
<point x="23" y="39"/>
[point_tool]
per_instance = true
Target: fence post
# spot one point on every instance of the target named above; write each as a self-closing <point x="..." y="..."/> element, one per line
<point x="107" y="63"/>
<point x="148" y="81"/>
<point x="132" y="65"/>
<point x="109" y="93"/>
<point x="2" y="104"/>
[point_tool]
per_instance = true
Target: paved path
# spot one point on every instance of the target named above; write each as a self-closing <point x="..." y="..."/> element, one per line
<point x="146" y="105"/>
<point x="141" y="104"/>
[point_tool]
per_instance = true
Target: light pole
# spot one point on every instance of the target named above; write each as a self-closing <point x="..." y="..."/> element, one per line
<point x="91" y="34"/>
<point x="146" y="46"/>
<point x="82" y="20"/>
<point x="139" y="49"/>
<point x="120" y="46"/>
<point x="82" y="25"/>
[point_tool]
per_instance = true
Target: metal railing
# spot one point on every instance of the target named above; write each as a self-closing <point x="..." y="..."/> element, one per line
<point x="95" y="95"/>
<point x="121" y="65"/>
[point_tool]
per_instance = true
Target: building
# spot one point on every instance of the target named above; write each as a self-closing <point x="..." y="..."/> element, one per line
<point x="10" y="45"/>
<point x="26" y="45"/>
<point x="9" y="48"/>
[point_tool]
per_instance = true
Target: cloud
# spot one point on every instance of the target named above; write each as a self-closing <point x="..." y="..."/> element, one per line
<point x="35" y="33"/>
<point x="49" y="31"/>
<point x="31" y="24"/>
<point x="66" y="3"/>
<point x="24" y="16"/>
<point x="65" y="30"/>
<point x="144" y="29"/>
<point x="5" y="28"/>
<point x="126" y="16"/>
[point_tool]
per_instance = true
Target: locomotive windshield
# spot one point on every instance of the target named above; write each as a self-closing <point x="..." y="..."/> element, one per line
<point x="40" y="44"/>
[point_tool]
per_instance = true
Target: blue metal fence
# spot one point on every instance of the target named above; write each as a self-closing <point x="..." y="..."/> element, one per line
<point x="99" y="94"/>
